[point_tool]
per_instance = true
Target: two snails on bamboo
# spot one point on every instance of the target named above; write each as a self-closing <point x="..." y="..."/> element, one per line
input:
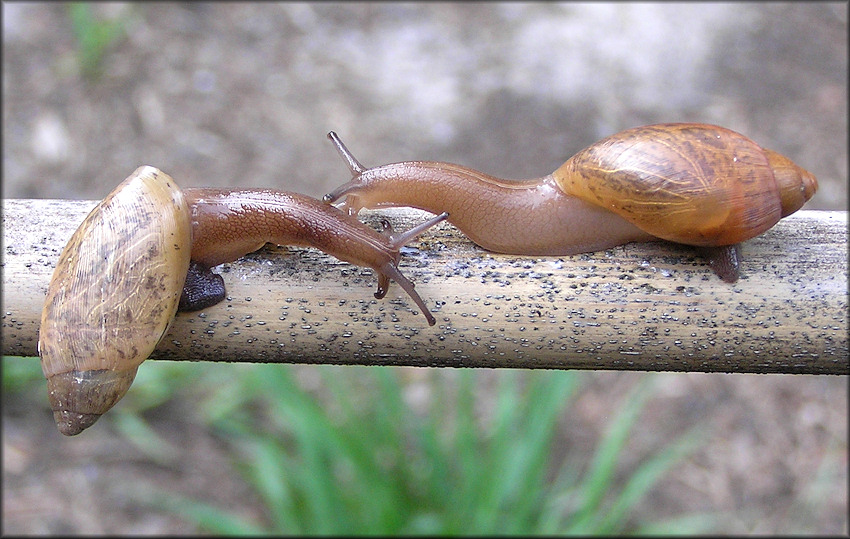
<point x="694" y="184"/>
<point x="146" y="250"/>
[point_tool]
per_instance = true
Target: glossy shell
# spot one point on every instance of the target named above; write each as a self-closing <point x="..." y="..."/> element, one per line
<point x="113" y="295"/>
<point x="689" y="183"/>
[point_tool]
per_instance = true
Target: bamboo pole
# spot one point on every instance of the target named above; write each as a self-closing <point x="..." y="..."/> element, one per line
<point x="654" y="306"/>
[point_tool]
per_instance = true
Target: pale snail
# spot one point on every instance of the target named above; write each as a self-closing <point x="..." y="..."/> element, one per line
<point x="147" y="248"/>
<point x="694" y="184"/>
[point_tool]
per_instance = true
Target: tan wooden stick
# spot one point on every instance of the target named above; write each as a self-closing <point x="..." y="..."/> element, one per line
<point x="653" y="306"/>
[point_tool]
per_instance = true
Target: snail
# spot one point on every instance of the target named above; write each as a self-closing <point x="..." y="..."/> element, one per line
<point x="694" y="184"/>
<point x="146" y="250"/>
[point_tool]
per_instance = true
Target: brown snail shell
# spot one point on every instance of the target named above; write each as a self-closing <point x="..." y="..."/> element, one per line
<point x="695" y="184"/>
<point x="113" y="295"/>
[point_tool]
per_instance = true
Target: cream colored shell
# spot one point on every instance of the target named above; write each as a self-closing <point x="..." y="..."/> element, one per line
<point x="113" y="295"/>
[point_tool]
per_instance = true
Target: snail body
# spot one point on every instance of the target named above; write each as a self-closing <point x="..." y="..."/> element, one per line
<point x="145" y="252"/>
<point x="695" y="184"/>
<point x="229" y="223"/>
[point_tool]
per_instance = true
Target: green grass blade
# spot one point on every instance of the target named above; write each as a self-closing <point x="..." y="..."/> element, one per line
<point x="646" y="476"/>
<point x="274" y="476"/>
<point x="205" y="516"/>
<point x="93" y="36"/>
<point x="495" y="456"/>
<point x="692" y="524"/>
<point x="139" y="433"/>
<point x="597" y="481"/>
<point x="22" y="374"/>
<point x="548" y="398"/>
<point x="560" y="500"/>
<point x="461" y="442"/>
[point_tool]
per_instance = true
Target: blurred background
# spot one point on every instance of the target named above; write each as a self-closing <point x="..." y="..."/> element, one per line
<point x="244" y="95"/>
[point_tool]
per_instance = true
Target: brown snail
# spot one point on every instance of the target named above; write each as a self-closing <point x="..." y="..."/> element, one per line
<point x="695" y="184"/>
<point x="147" y="249"/>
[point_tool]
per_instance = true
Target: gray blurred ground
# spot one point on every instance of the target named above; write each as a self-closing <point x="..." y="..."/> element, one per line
<point x="243" y="95"/>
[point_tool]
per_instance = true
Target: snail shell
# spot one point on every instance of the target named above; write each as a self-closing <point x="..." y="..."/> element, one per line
<point x="695" y="184"/>
<point x="113" y="296"/>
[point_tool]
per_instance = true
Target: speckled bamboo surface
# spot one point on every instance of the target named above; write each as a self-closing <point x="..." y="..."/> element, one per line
<point x="652" y="306"/>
